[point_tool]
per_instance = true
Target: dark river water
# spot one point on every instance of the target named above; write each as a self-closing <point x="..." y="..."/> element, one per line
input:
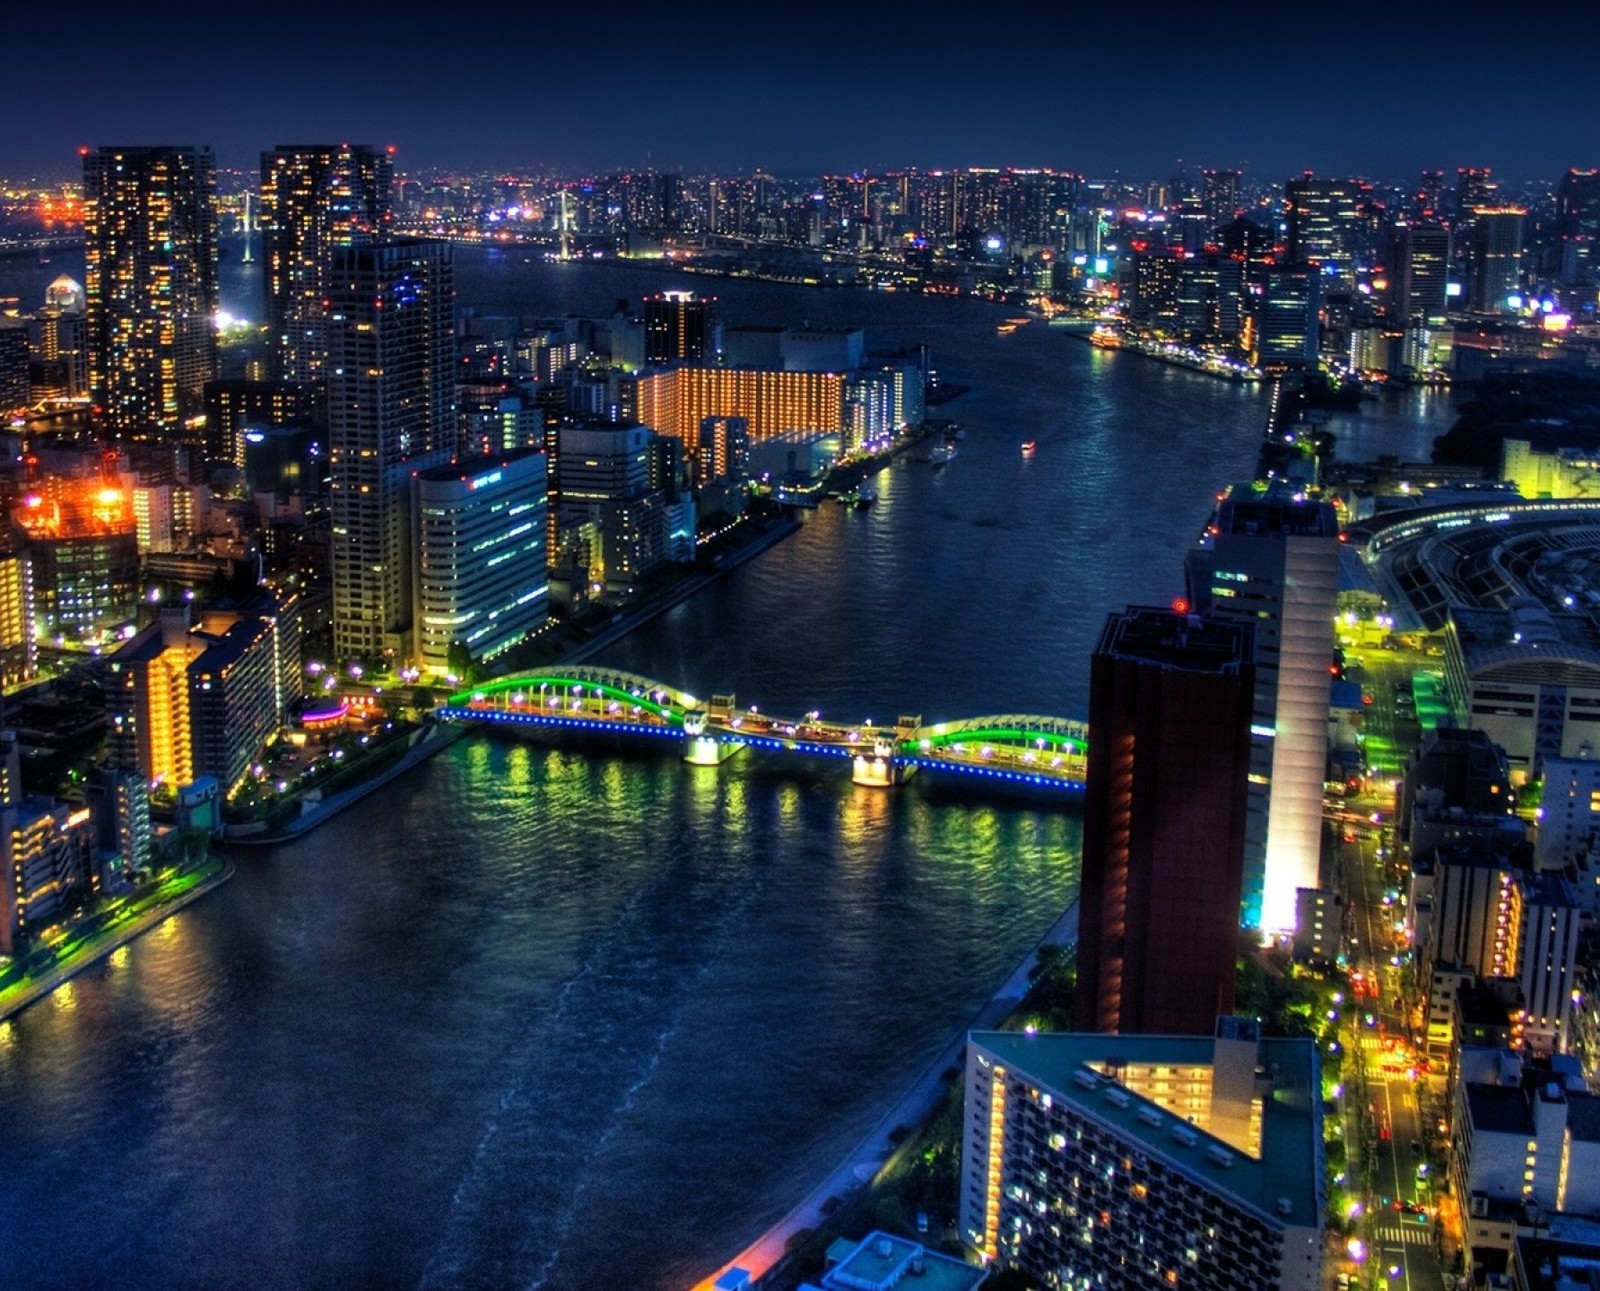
<point x="566" y="1017"/>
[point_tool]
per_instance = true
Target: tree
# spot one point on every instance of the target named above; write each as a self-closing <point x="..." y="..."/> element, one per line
<point x="459" y="660"/>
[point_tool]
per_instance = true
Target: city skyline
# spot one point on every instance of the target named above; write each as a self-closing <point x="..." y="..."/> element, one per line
<point x="714" y="92"/>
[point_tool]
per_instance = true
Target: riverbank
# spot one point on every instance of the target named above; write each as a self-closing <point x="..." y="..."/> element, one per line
<point x="766" y="1255"/>
<point x="430" y="740"/>
<point x="578" y="652"/>
<point x="140" y="916"/>
<point x="1224" y="369"/>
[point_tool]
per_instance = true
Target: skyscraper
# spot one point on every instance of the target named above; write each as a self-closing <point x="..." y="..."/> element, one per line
<point x="150" y="247"/>
<point x="1270" y="557"/>
<point x="314" y="199"/>
<point x="1578" y="231"/>
<point x="1420" y="272"/>
<point x="1288" y="322"/>
<point x="391" y="411"/>
<point x="1322" y="215"/>
<point x="679" y="327"/>
<point x="1170" y="698"/>
<point x="1496" y="257"/>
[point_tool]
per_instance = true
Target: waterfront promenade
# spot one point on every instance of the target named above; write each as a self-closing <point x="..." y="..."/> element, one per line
<point x="138" y="916"/>
<point x="915" y="1106"/>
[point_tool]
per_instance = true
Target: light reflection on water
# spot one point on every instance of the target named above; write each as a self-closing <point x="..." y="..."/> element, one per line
<point x="567" y="1014"/>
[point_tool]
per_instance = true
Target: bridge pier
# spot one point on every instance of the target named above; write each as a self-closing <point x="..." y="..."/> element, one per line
<point x="702" y="750"/>
<point x="879" y="769"/>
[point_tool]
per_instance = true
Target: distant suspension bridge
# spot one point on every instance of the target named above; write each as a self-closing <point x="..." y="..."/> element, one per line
<point x="1048" y="752"/>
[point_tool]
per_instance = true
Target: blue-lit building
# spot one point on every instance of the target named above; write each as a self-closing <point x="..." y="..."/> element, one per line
<point x="1288" y="323"/>
<point x="481" y="576"/>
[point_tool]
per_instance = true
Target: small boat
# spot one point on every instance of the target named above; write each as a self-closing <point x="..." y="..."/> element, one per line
<point x="1028" y="447"/>
<point x="866" y="495"/>
<point x="959" y="434"/>
<point x="939" y="454"/>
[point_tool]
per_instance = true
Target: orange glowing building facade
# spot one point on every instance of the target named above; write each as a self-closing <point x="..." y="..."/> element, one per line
<point x="676" y="401"/>
<point x="81" y="542"/>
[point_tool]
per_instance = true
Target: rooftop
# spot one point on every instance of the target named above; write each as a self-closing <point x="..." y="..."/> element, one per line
<point x="880" y="1261"/>
<point x="1288" y="1169"/>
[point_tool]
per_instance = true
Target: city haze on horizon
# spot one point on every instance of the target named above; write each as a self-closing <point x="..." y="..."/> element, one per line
<point x="720" y="91"/>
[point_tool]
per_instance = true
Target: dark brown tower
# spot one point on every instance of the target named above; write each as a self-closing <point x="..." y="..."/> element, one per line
<point x="1170" y="699"/>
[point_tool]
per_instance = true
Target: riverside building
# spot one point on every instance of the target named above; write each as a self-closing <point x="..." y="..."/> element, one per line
<point x="1097" y="1160"/>
<point x="391" y="412"/>
<point x="482" y="583"/>
<point x="1270" y="557"/>
<point x="1163" y="823"/>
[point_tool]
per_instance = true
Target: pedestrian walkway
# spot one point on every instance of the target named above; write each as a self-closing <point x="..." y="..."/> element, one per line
<point x="914" y="1108"/>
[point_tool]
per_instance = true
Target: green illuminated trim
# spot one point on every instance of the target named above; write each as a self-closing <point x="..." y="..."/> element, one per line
<point x="666" y="712"/>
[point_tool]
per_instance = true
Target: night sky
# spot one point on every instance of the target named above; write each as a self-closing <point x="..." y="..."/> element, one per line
<point x="1107" y="89"/>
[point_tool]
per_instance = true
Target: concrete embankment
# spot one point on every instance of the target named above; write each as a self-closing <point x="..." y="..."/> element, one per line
<point x="17" y="996"/>
<point x="763" y="1256"/>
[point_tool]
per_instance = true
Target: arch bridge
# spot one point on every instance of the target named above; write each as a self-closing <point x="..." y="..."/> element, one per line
<point x="1022" y="749"/>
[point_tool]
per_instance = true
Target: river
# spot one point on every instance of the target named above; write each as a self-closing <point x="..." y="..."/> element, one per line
<point x="558" y="1017"/>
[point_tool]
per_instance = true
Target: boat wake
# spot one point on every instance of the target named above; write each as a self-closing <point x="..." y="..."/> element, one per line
<point x="576" y="1077"/>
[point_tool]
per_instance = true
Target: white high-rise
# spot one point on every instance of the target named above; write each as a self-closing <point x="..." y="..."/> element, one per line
<point x="1270" y="557"/>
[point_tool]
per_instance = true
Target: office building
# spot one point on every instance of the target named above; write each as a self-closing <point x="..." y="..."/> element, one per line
<point x="1419" y="273"/>
<point x="1527" y="677"/>
<point x="314" y="198"/>
<point x="1322" y="216"/>
<point x="482" y="583"/>
<point x="1270" y="557"/>
<point x="150" y="246"/>
<point x="1193" y="1161"/>
<point x="80" y="538"/>
<point x="679" y="327"/>
<point x="1170" y="701"/>
<point x="1496" y="258"/>
<point x="1288" y="319"/>
<point x="605" y="474"/>
<point x="1578" y="234"/>
<point x="391" y="411"/>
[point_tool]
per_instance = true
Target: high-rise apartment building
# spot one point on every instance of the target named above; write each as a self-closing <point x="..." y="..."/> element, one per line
<point x="1578" y="232"/>
<point x="314" y="198"/>
<point x="196" y="695"/>
<point x="150" y="247"/>
<point x="679" y="327"/>
<point x="1145" y="1161"/>
<point x="391" y="411"/>
<point x="18" y="654"/>
<point x="48" y="859"/>
<point x="482" y="583"/>
<point x="1170" y="700"/>
<point x="1270" y="557"/>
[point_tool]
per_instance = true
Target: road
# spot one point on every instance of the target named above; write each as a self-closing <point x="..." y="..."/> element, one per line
<point x="1398" y="1131"/>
